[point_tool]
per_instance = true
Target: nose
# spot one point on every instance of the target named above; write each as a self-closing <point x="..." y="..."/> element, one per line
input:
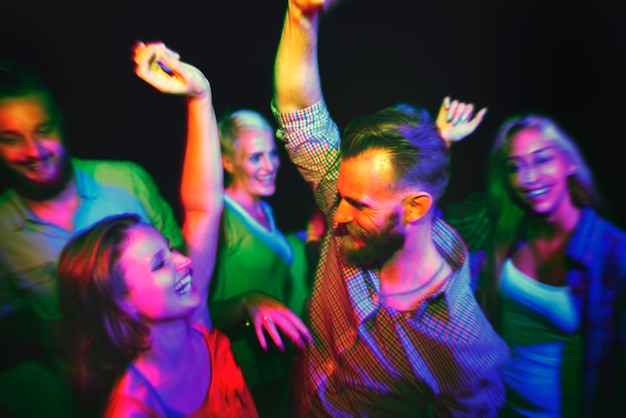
<point x="343" y="214"/>
<point x="270" y="163"/>
<point x="32" y="148"/>
<point x="528" y="174"/>
<point x="181" y="261"/>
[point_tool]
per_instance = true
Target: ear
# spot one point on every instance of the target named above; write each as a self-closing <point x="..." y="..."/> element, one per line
<point x="416" y="206"/>
<point x="227" y="163"/>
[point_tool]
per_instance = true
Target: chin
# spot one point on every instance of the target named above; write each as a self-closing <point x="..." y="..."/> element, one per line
<point x="266" y="192"/>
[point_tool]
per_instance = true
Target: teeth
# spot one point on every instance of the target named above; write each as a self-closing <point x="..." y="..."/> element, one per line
<point x="536" y="193"/>
<point x="183" y="285"/>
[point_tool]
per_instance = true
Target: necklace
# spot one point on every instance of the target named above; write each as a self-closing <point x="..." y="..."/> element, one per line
<point x="420" y="287"/>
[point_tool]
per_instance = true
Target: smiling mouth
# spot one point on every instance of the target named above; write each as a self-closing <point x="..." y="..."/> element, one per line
<point x="39" y="166"/>
<point x="183" y="285"/>
<point x="537" y="193"/>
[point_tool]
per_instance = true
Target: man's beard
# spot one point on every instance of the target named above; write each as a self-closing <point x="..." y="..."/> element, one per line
<point x="378" y="247"/>
<point x="37" y="190"/>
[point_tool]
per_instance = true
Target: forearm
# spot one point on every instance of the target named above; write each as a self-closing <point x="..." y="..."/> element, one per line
<point x="202" y="189"/>
<point x="296" y="73"/>
<point x="201" y="186"/>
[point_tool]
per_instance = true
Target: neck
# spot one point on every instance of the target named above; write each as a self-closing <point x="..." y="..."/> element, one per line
<point x="245" y="200"/>
<point x="171" y="343"/>
<point x="559" y="225"/>
<point x="251" y="204"/>
<point x="415" y="262"/>
<point x="60" y="209"/>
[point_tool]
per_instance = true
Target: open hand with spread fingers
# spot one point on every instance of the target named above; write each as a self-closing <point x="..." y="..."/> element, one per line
<point x="267" y="313"/>
<point x="455" y="120"/>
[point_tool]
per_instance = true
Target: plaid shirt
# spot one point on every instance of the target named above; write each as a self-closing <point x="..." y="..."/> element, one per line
<point x="368" y="359"/>
<point x="596" y="253"/>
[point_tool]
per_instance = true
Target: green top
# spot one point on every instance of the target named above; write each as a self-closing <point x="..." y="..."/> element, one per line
<point x="253" y="258"/>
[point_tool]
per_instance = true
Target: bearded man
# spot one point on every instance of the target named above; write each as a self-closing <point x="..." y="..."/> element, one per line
<point x="396" y="328"/>
<point x="49" y="196"/>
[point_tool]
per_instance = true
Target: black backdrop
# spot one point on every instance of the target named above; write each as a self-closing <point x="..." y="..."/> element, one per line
<point x="564" y="59"/>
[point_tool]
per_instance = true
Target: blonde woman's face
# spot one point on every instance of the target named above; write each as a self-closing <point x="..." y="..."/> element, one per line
<point x="538" y="171"/>
<point x="254" y="163"/>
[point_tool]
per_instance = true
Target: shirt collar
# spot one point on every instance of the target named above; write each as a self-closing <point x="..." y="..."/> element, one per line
<point x="363" y="285"/>
<point x="85" y="184"/>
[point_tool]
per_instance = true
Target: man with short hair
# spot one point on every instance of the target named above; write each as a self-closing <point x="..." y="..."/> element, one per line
<point x="396" y="328"/>
<point x="49" y="197"/>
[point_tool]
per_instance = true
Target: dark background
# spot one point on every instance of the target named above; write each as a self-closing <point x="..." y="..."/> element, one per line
<point x="565" y="59"/>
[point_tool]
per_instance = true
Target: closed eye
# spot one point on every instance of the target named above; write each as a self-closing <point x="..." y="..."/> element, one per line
<point x="158" y="261"/>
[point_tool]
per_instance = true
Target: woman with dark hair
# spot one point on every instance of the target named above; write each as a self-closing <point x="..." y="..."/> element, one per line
<point x="138" y="325"/>
<point x="555" y="281"/>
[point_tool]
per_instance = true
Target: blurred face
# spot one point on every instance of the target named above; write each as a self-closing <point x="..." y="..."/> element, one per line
<point x="32" y="155"/>
<point x="158" y="279"/>
<point x="254" y="163"/>
<point x="368" y="217"/>
<point x="538" y="172"/>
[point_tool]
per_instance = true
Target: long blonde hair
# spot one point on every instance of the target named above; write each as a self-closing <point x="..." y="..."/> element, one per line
<point x="508" y="217"/>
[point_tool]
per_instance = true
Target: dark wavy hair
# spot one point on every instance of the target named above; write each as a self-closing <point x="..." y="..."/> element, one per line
<point x="102" y="339"/>
<point x="17" y="79"/>
<point x="408" y="134"/>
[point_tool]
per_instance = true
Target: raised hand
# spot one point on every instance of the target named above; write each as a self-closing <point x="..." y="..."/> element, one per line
<point x="267" y="313"/>
<point x="161" y="67"/>
<point x="455" y="121"/>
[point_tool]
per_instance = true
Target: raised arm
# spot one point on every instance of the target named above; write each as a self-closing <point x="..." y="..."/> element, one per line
<point x="202" y="185"/>
<point x="296" y="72"/>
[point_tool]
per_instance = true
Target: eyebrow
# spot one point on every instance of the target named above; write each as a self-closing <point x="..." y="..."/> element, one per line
<point x="353" y="202"/>
<point x="38" y="126"/>
<point x="517" y="157"/>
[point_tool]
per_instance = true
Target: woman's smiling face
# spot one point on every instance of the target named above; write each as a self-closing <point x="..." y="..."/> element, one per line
<point x="254" y="163"/>
<point x="158" y="278"/>
<point x="538" y="171"/>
